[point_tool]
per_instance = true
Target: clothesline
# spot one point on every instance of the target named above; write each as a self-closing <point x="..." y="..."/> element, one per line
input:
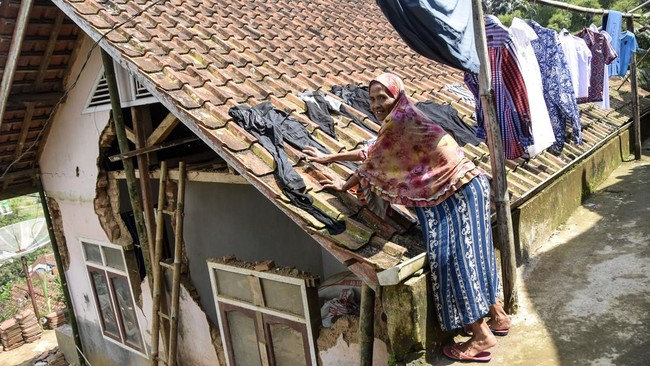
<point x="559" y="4"/>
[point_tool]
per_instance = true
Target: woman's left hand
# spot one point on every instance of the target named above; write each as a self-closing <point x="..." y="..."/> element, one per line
<point x="335" y="184"/>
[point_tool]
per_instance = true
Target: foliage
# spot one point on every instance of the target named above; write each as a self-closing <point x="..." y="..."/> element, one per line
<point x="11" y="272"/>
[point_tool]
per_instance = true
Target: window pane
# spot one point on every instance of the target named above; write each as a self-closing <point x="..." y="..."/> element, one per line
<point x="114" y="258"/>
<point x="288" y="347"/>
<point x="126" y="308"/>
<point x="106" y="312"/>
<point x="243" y="339"/>
<point x="92" y="253"/>
<point x="233" y="285"/>
<point x="283" y="296"/>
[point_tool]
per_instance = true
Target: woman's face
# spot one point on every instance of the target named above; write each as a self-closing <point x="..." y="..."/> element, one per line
<point x="381" y="101"/>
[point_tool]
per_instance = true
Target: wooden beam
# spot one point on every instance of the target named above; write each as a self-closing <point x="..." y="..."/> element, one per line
<point x="14" y="52"/>
<point x="152" y="148"/>
<point x="49" y="49"/>
<point x="505" y="234"/>
<point x="39" y="99"/>
<point x="27" y="121"/>
<point x="581" y="9"/>
<point x="163" y="130"/>
<point x="130" y="135"/>
<point x="402" y="271"/>
<point x="635" y="99"/>
<point x="192" y="176"/>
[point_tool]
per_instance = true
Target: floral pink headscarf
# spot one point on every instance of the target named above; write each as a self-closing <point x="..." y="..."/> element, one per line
<point x="414" y="162"/>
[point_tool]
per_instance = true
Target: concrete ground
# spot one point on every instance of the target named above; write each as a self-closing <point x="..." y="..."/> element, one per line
<point x="585" y="295"/>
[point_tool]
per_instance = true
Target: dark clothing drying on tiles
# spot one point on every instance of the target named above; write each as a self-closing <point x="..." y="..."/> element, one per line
<point x="447" y="117"/>
<point x="356" y="97"/>
<point x="320" y="109"/>
<point x="272" y="127"/>
<point x="442" y="31"/>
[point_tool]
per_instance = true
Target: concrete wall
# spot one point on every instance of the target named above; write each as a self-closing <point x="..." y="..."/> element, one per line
<point x="535" y="220"/>
<point x="235" y="219"/>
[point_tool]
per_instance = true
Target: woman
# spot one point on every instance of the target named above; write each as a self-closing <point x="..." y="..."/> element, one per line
<point x="415" y="163"/>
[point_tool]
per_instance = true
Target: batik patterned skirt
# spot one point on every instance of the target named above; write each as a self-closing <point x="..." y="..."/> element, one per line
<point x="458" y="237"/>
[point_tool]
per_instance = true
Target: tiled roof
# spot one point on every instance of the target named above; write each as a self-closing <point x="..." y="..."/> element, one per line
<point x="47" y="48"/>
<point x="201" y="57"/>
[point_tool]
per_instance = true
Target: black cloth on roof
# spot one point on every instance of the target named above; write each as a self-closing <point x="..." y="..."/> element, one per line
<point x="441" y="30"/>
<point x="272" y="127"/>
<point x="447" y="117"/>
<point x="320" y="109"/>
<point x="356" y="97"/>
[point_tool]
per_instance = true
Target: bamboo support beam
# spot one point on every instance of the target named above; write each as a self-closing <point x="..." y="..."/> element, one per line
<point x="152" y="148"/>
<point x="581" y="9"/>
<point x="157" y="274"/>
<point x="504" y="235"/>
<point x="72" y="318"/>
<point x="635" y="99"/>
<point x="132" y="185"/>
<point x="14" y="53"/>
<point x="366" y="325"/>
<point x="30" y="289"/>
<point x="176" y="282"/>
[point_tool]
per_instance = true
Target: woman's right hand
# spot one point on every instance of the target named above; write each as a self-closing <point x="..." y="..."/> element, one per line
<point x="316" y="156"/>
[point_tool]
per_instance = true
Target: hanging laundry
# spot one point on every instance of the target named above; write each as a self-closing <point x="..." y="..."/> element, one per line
<point x="522" y="35"/>
<point x="612" y="22"/>
<point x="558" y="86"/>
<point x="579" y="60"/>
<point x="441" y="30"/>
<point x="628" y="46"/>
<point x="602" y="54"/>
<point x="460" y="90"/>
<point x="447" y="117"/>
<point x="320" y="109"/>
<point x="272" y="128"/>
<point x="511" y="98"/>
<point x="356" y="97"/>
<point x="605" y="102"/>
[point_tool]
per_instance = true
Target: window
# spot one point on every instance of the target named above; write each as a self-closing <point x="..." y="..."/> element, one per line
<point x="265" y="318"/>
<point x="111" y="287"/>
<point x="132" y="92"/>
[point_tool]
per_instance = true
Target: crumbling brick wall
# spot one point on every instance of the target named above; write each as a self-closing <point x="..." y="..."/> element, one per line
<point x="57" y="227"/>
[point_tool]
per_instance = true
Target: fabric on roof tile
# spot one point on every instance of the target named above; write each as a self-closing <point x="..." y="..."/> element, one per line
<point x="271" y="128"/>
<point x="439" y="30"/>
<point x="447" y="117"/>
<point x="320" y="109"/>
<point x="356" y="97"/>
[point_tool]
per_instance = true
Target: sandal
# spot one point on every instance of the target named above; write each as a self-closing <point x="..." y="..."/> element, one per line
<point x="453" y="352"/>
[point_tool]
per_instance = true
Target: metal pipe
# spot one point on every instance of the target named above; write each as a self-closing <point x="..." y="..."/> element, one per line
<point x="59" y="265"/>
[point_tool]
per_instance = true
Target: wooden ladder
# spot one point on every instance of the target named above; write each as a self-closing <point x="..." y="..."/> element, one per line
<point x="169" y="340"/>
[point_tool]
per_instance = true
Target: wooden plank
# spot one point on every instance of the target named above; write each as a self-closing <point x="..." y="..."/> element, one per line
<point x="402" y="271"/>
<point x="27" y="121"/>
<point x="130" y="135"/>
<point x="14" y="52"/>
<point x="163" y="130"/>
<point x="49" y="49"/>
<point x="192" y="176"/>
<point x="505" y="234"/>
<point x="152" y="148"/>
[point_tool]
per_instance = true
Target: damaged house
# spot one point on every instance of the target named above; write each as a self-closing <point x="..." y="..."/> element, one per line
<point x="250" y="267"/>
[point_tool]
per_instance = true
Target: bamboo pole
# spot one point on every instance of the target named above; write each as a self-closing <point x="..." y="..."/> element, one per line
<point x="176" y="283"/>
<point x="635" y="98"/>
<point x="72" y="318"/>
<point x="30" y="289"/>
<point x="366" y="325"/>
<point x="157" y="280"/>
<point x="581" y="9"/>
<point x="131" y="183"/>
<point x="504" y="235"/>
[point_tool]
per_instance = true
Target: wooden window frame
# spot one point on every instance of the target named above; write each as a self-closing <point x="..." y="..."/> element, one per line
<point x="264" y="316"/>
<point x="109" y="274"/>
